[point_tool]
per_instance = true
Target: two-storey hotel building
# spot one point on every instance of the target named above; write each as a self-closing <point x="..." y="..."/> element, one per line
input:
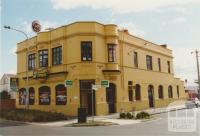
<point x="140" y="73"/>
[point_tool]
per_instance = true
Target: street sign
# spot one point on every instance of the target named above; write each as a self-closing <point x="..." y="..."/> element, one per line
<point x="105" y="83"/>
<point x="96" y="87"/>
<point x="68" y="83"/>
<point x="36" y="27"/>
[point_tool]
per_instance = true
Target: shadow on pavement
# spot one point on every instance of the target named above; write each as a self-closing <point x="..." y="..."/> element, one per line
<point x="8" y="123"/>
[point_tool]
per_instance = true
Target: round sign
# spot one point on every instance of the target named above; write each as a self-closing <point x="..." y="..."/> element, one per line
<point x="36" y="27"/>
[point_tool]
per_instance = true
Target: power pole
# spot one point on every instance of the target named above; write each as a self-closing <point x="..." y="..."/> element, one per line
<point x="198" y="79"/>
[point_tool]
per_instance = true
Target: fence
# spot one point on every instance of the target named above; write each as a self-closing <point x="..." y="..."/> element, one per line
<point x="7" y="104"/>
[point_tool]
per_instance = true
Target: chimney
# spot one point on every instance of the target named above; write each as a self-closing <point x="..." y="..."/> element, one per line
<point x="164" y="45"/>
<point x="125" y="31"/>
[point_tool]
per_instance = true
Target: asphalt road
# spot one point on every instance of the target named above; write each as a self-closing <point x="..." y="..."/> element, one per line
<point x="158" y="127"/>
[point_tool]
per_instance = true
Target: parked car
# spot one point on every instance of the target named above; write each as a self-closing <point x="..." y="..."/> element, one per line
<point x="197" y="102"/>
<point x="192" y="103"/>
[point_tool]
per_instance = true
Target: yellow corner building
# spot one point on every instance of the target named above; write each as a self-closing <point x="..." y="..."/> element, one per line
<point x="83" y="54"/>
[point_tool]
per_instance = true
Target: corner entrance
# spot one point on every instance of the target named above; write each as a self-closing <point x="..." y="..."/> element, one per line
<point x="86" y="95"/>
<point x="111" y="98"/>
<point x="151" y="96"/>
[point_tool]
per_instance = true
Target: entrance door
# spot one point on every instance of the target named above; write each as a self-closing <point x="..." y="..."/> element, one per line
<point x="86" y="96"/>
<point x="110" y="97"/>
<point x="151" y="96"/>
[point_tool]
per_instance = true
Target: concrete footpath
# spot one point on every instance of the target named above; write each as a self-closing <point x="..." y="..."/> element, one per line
<point x="114" y="118"/>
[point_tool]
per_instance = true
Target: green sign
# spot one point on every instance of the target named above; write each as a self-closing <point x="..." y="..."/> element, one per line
<point x="68" y="83"/>
<point x="105" y="83"/>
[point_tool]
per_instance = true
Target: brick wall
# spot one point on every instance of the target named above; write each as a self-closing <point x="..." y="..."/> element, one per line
<point x="7" y="104"/>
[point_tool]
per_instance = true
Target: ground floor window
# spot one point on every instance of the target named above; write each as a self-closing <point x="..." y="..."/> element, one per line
<point x="44" y="95"/>
<point x="170" y="92"/>
<point x="130" y="91"/>
<point x="137" y="92"/>
<point x="160" y="92"/>
<point x="130" y="95"/>
<point x="61" y="95"/>
<point x="31" y="96"/>
<point x="177" y="91"/>
<point x="22" y="96"/>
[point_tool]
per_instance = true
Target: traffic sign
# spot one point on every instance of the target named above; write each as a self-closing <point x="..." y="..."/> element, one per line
<point x="105" y="83"/>
<point x="68" y="83"/>
<point x="96" y="87"/>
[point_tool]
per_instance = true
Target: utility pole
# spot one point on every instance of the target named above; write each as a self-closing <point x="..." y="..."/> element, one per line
<point x="197" y="61"/>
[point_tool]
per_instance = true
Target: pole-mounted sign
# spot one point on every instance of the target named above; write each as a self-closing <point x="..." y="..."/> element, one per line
<point x="105" y="83"/>
<point x="36" y="27"/>
<point x="68" y="83"/>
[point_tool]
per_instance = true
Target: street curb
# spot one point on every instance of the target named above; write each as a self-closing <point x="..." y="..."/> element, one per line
<point x="167" y="111"/>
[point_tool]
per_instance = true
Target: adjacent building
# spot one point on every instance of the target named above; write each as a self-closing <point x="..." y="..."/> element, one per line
<point x="9" y="83"/>
<point x="140" y="73"/>
<point x="191" y="91"/>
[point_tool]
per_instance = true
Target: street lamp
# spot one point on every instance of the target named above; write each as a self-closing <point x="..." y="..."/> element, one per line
<point x="27" y="53"/>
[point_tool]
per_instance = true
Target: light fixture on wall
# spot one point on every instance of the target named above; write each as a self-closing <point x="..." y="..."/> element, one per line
<point x="132" y="50"/>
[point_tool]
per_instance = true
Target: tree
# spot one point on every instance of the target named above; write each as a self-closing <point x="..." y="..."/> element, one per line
<point x="4" y="95"/>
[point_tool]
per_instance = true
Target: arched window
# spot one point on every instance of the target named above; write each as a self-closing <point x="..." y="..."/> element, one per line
<point x="160" y="92"/>
<point x="151" y="96"/>
<point x="170" y="92"/>
<point x="31" y="96"/>
<point x="137" y="92"/>
<point x="177" y="91"/>
<point x="61" y="95"/>
<point x="44" y="95"/>
<point x="22" y="96"/>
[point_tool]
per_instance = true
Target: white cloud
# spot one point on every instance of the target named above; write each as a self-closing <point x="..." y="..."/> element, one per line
<point x="120" y="6"/>
<point x="179" y="20"/>
<point x="132" y="28"/>
<point x="13" y="50"/>
<point x="12" y="71"/>
<point x="184" y="64"/>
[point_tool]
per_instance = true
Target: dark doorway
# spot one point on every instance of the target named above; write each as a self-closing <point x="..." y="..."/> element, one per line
<point x="86" y="95"/>
<point x="110" y="97"/>
<point x="151" y="96"/>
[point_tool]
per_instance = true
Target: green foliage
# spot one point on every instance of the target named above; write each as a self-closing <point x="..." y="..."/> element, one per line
<point x="4" y="95"/>
<point x="31" y="115"/>
<point x="122" y="115"/>
<point x="143" y="115"/>
<point x="129" y="115"/>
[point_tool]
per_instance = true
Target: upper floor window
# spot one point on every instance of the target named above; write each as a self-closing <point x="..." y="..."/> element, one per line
<point x="86" y="51"/>
<point x="111" y="52"/>
<point x="43" y="58"/>
<point x="159" y="64"/>
<point x="168" y="66"/>
<point x="135" y="59"/>
<point x="57" y="55"/>
<point x="149" y="62"/>
<point x="31" y="61"/>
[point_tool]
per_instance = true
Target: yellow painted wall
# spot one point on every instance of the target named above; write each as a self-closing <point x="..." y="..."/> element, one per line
<point x="70" y="37"/>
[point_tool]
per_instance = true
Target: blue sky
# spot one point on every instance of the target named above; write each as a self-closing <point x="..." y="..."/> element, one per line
<point x="172" y="22"/>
